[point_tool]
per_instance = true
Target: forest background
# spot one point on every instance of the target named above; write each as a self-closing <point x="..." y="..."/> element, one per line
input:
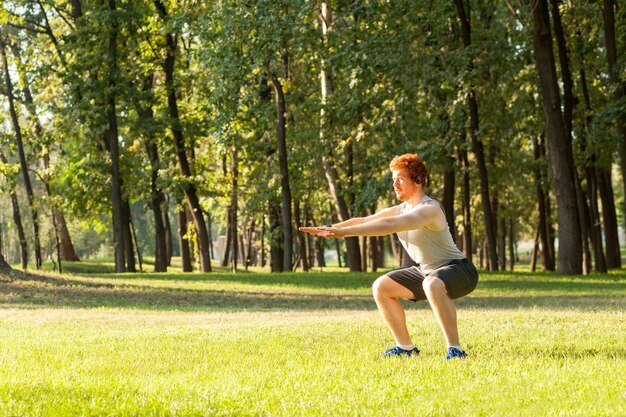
<point x="148" y="129"/>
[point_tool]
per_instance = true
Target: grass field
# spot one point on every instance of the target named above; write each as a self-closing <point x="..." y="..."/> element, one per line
<point x="304" y="344"/>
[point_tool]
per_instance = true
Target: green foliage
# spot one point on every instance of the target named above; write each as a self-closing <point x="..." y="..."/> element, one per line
<point x="401" y="78"/>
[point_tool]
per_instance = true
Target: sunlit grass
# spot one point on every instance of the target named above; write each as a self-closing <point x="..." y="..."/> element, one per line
<point x="305" y="344"/>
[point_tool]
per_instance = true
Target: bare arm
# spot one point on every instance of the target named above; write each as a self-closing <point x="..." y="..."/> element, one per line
<point x="423" y="215"/>
<point x="389" y="211"/>
<point x="355" y="221"/>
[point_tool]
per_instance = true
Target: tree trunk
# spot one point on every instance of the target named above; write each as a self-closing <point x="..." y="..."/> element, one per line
<point x="276" y="247"/>
<point x="157" y="198"/>
<point x="136" y="243"/>
<point x="339" y="254"/>
<point x="467" y="216"/>
<point x="568" y="111"/>
<point x="179" y="143"/>
<point x="17" y="219"/>
<point x="545" y="207"/>
<point x="193" y="238"/>
<point x="477" y="145"/>
<point x="551" y="248"/>
<point x="319" y="252"/>
<point x="169" y="250"/>
<point x="363" y="245"/>
<point x="302" y="238"/>
<point x="4" y="266"/>
<point x="373" y="253"/>
<point x="594" y="224"/>
<point x="281" y="138"/>
<point x="242" y="252"/>
<point x="183" y="242"/>
<point x="560" y="151"/>
<point x="111" y="140"/>
<point x="249" y="237"/>
<point x="512" y="244"/>
<point x="68" y="253"/>
<point x="609" y="7"/>
<point x="22" y="155"/>
<point x="380" y="243"/>
<point x="541" y="201"/>
<point x="128" y="236"/>
<point x="209" y="221"/>
<point x="234" y="206"/>
<point x="353" y="251"/>
<point x="613" y="257"/>
<point x="594" y="221"/>
<point x="533" y="256"/>
<point x="583" y="214"/>
<point x="227" y="246"/>
<point x="502" y="244"/>
<point x="310" y="239"/>
<point x="449" y="189"/>
<point x="263" y="262"/>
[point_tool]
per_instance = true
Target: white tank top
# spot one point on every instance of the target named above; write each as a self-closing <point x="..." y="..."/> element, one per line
<point x="431" y="250"/>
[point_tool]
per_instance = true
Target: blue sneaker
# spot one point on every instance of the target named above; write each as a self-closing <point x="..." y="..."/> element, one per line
<point x="398" y="351"/>
<point x="455" y="353"/>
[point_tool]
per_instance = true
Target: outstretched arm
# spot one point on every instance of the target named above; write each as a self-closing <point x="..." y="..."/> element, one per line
<point x="387" y="212"/>
<point x="424" y="215"/>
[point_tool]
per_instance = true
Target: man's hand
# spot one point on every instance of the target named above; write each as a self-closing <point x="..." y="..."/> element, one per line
<point x="323" y="231"/>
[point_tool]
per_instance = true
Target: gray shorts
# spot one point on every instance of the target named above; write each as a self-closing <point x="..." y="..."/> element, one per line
<point x="459" y="275"/>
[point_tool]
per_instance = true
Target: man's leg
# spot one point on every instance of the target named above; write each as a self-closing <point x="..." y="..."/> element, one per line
<point x="443" y="307"/>
<point x="386" y="293"/>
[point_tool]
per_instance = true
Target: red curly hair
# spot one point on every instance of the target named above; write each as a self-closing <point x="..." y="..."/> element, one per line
<point x="413" y="164"/>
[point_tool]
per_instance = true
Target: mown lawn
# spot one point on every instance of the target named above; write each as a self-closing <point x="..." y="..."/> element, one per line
<point x="305" y="344"/>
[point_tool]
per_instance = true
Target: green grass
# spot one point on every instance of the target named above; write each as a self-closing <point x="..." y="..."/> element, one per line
<point x="260" y="344"/>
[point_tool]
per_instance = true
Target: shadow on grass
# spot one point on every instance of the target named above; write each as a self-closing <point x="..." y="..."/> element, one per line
<point x="50" y="291"/>
<point x="312" y="280"/>
<point x="55" y="291"/>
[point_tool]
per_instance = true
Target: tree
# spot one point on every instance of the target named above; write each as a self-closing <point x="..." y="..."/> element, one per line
<point x="20" y="148"/>
<point x="569" y="260"/>
<point x="328" y="161"/>
<point x="613" y="257"/>
<point x="17" y="217"/>
<point x="157" y="197"/>
<point x="477" y="145"/>
<point x="189" y="188"/>
<point x="62" y="233"/>
<point x="281" y="138"/>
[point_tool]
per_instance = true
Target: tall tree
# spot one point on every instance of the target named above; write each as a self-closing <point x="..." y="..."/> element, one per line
<point x="353" y="250"/>
<point x="191" y="195"/>
<point x="560" y="151"/>
<point x="157" y="197"/>
<point x="465" y="204"/>
<point x="619" y="85"/>
<point x="58" y="218"/>
<point x="112" y="134"/>
<point x="613" y="257"/>
<point x="568" y="121"/>
<point x="21" y="152"/>
<point x="281" y="137"/>
<point x="477" y="144"/>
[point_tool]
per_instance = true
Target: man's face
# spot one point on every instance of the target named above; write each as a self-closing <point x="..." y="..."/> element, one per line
<point x="403" y="185"/>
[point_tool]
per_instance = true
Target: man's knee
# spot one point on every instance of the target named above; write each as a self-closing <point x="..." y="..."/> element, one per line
<point x="433" y="284"/>
<point x="380" y="286"/>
